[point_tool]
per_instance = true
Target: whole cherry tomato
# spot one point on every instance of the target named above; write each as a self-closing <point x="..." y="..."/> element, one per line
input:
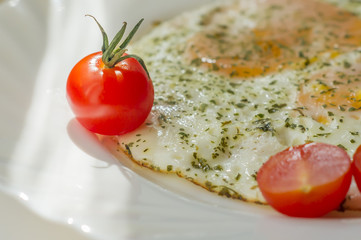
<point x="356" y="167"/>
<point x="306" y="181"/>
<point x="110" y="92"/>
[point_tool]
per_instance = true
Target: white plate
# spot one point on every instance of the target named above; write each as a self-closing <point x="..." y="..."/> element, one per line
<point x="61" y="183"/>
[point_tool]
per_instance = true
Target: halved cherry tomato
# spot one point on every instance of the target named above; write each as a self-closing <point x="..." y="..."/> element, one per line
<point x="306" y="181"/>
<point x="356" y="167"/>
<point x="110" y="92"/>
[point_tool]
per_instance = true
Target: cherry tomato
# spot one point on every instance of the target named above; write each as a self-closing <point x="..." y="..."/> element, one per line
<point x="306" y="181"/>
<point x="109" y="101"/>
<point x="356" y="167"/>
<point x="110" y="92"/>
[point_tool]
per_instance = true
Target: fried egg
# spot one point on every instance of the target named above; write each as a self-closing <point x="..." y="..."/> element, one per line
<point x="238" y="81"/>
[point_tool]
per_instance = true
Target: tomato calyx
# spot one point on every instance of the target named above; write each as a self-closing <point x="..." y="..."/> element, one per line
<point x="112" y="54"/>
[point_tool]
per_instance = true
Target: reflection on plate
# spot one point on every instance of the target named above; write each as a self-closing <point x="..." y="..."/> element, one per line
<point x="60" y="172"/>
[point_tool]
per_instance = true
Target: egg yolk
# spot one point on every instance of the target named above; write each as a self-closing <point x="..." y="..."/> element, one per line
<point x="280" y="34"/>
<point x="333" y="91"/>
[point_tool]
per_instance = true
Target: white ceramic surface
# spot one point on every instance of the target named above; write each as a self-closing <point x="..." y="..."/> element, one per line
<point x="60" y="183"/>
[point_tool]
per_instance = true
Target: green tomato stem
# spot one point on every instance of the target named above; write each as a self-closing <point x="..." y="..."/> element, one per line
<point x="137" y="58"/>
<point x="131" y="35"/>
<point x="113" y="55"/>
<point x="109" y="52"/>
<point x="105" y="36"/>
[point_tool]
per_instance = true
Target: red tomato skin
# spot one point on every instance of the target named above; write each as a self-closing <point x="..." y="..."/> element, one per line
<point x="356" y="167"/>
<point x="109" y="101"/>
<point x="320" y="200"/>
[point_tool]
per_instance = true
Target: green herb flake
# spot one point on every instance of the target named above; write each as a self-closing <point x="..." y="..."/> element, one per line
<point x="322" y="135"/>
<point x="240" y="105"/>
<point x="169" y="168"/>
<point x="254" y="175"/>
<point x="273" y="82"/>
<point x="226" y="123"/>
<point x="230" y="91"/>
<point x="127" y="147"/>
<point x="342" y="146"/>
<point x="218" y="168"/>
<point x="346" y="64"/>
<point x="203" y="107"/>
<point x="197" y="62"/>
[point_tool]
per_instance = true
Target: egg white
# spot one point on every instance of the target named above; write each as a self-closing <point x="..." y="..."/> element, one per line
<point x="217" y="131"/>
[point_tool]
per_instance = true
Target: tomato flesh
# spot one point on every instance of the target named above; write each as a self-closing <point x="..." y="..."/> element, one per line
<point x="306" y="181"/>
<point x="109" y="101"/>
<point x="356" y="167"/>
